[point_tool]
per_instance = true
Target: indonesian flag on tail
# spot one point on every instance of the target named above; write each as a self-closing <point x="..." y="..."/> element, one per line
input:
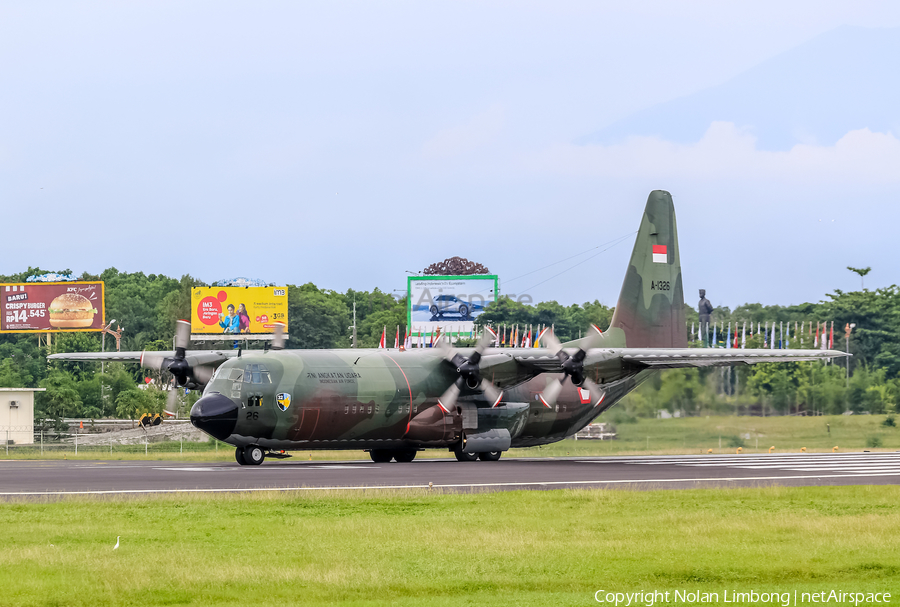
<point x="383" y="334"/>
<point x="660" y="255"/>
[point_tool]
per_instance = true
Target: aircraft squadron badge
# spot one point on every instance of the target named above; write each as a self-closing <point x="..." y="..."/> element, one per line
<point x="283" y="401"/>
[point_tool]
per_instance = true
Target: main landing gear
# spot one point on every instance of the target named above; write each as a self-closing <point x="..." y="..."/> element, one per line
<point x="487" y="456"/>
<point x="383" y="456"/>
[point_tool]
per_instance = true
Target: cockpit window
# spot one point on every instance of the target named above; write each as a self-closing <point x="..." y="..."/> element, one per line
<point x="256" y="374"/>
<point x="235" y="374"/>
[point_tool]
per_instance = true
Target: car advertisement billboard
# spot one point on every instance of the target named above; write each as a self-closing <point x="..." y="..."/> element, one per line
<point x="238" y="310"/>
<point x="451" y="303"/>
<point x="51" y="307"/>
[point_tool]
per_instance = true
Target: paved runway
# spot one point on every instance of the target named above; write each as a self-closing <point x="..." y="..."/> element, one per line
<point x="56" y="478"/>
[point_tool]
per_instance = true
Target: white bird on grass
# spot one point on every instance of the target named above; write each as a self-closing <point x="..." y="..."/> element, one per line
<point x="116" y="547"/>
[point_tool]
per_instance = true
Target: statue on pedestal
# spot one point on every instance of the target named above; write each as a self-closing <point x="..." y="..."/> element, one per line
<point x="704" y="308"/>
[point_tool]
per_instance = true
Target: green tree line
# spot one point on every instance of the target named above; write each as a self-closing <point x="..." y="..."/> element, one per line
<point x="146" y="306"/>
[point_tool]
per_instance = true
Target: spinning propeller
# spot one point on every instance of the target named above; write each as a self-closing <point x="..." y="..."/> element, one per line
<point x="278" y="337"/>
<point x="573" y="366"/>
<point x="468" y="373"/>
<point x="188" y="372"/>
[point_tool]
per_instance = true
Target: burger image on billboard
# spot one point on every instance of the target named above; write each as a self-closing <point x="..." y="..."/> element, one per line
<point x="72" y="311"/>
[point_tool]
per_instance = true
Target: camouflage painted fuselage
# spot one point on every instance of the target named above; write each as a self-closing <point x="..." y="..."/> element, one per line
<point x="373" y="399"/>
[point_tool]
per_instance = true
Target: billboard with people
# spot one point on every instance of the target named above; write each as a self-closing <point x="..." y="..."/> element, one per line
<point x="238" y="310"/>
<point x="51" y="307"/>
<point x="448" y="303"/>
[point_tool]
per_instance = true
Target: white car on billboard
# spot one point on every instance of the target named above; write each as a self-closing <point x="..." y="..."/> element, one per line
<point x="451" y="304"/>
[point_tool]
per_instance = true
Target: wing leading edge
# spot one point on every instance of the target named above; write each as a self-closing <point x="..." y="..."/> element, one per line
<point x="676" y="358"/>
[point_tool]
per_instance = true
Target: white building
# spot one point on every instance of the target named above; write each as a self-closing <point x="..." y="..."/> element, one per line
<point x="17" y="415"/>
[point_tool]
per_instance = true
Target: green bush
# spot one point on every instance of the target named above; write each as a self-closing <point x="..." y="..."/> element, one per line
<point x="734" y="441"/>
<point x="873" y="441"/>
<point x="889" y="422"/>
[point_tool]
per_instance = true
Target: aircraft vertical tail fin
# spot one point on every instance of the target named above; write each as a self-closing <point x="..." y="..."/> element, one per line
<point x="650" y="310"/>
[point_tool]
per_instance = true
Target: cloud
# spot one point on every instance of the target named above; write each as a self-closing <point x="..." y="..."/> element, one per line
<point x="479" y="131"/>
<point x="728" y="152"/>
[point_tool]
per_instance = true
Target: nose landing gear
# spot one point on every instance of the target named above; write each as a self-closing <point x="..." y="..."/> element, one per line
<point x="254" y="455"/>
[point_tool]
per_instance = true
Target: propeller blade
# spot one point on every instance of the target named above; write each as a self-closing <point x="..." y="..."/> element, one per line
<point x="447" y="401"/>
<point x="278" y="336"/>
<point x="551" y="393"/>
<point x="182" y="335"/>
<point x="445" y="349"/>
<point x="592" y="339"/>
<point x="550" y="339"/>
<point x="492" y="392"/>
<point x="487" y="338"/>
<point x="152" y="360"/>
<point x="597" y="393"/>
<point x="171" y="402"/>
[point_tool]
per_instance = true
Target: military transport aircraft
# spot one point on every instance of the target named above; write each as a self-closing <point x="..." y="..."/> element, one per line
<point x="476" y="402"/>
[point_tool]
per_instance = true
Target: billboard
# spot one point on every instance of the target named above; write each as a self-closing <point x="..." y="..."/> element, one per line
<point x="51" y="307"/>
<point x="449" y="302"/>
<point x="237" y="310"/>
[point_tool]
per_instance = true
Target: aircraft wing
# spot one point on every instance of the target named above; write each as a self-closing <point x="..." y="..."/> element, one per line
<point x="675" y="358"/>
<point x="513" y="366"/>
<point x="201" y="357"/>
<point x="131" y="357"/>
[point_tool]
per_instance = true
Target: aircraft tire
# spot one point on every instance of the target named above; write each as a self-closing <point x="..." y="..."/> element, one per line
<point x="462" y="456"/>
<point x="254" y="455"/>
<point x="490" y="456"/>
<point x="381" y="456"/>
<point x="239" y="456"/>
<point x="405" y="456"/>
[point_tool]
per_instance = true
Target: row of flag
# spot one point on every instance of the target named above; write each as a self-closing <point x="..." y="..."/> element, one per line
<point x="776" y="336"/>
<point x="529" y="336"/>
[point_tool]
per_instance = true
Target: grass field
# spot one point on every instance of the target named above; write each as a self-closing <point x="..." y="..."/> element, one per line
<point x="645" y="436"/>
<point x="422" y="549"/>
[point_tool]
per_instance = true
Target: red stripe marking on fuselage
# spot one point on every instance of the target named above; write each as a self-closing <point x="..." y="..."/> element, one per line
<point x="407" y="387"/>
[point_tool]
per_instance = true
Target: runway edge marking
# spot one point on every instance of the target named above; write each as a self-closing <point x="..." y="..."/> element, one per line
<point x="447" y="486"/>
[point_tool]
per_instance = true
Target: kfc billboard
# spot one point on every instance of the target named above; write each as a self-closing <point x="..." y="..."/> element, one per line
<point x="52" y="307"/>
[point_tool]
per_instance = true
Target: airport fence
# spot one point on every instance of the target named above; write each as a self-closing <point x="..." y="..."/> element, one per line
<point x="27" y="441"/>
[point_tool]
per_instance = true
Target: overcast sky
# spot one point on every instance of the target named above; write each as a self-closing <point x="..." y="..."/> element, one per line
<point x="345" y="143"/>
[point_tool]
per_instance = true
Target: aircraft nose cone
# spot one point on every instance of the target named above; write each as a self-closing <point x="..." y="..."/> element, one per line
<point x="216" y="415"/>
